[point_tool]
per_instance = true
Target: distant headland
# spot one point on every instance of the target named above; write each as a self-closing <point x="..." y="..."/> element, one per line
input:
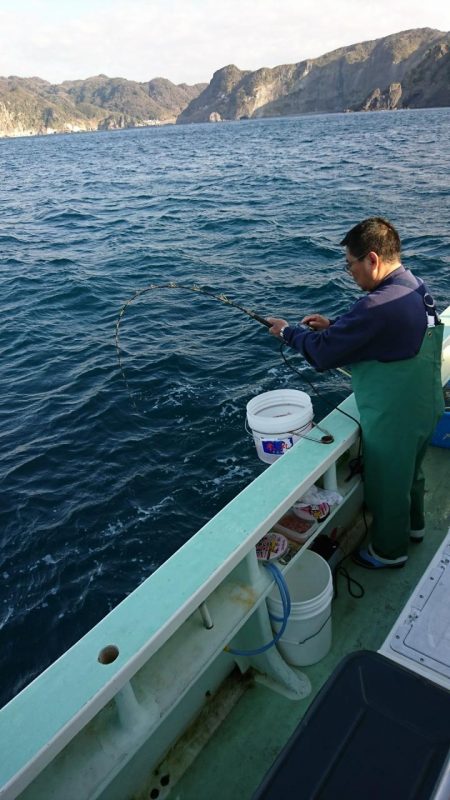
<point x="410" y="69"/>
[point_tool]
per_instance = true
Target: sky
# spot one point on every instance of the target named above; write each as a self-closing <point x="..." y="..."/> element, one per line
<point x="187" y="40"/>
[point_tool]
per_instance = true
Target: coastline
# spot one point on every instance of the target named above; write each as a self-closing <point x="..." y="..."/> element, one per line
<point x="19" y="134"/>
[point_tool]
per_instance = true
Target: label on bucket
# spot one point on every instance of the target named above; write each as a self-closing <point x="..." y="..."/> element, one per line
<point x="276" y="447"/>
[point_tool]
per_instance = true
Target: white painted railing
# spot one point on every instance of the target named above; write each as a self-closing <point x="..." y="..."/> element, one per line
<point x="164" y="627"/>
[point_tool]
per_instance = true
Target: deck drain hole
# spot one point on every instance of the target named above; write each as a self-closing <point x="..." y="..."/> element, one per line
<point x="108" y="654"/>
<point x="165" y="780"/>
<point x="154" y="794"/>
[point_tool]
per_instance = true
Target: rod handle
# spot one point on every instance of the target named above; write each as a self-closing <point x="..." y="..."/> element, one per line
<point x="260" y="319"/>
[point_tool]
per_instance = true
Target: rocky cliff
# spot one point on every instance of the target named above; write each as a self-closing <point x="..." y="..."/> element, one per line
<point x="428" y="84"/>
<point x="407" y="69"/>
<point x="31" y="106"/>
<point x="425" y="85"/>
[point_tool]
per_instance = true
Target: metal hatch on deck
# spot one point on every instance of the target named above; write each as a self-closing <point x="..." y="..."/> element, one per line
<point x="420" y="639"/>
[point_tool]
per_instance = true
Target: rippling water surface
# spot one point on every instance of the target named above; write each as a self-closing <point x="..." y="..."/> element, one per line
<point x="97" y="488"/>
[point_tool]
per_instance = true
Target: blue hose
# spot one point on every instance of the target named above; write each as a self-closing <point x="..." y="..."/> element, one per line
<point x="286" y="601"/>
<point x="284" y="593"/>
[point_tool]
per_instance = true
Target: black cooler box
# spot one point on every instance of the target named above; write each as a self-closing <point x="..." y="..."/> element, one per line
<point x="376" y="731"/>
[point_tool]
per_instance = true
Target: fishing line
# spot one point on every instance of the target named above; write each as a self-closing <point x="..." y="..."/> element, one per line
<point x="319" y="394"/>
<point x="355" y="464"/>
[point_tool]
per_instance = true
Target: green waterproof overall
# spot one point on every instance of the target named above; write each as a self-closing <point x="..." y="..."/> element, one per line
<point x="399" y="404"/>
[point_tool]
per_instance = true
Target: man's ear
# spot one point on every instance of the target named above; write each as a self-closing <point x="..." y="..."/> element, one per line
<point x="375" y="264"/>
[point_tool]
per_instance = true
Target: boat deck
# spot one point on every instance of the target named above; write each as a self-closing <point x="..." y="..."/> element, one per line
<point x="236" y="758"/>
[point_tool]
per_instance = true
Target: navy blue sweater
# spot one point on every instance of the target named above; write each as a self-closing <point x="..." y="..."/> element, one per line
<point x="387" y="324"/>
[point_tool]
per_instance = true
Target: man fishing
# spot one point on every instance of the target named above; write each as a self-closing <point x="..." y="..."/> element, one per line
<point x="391" y="339"/>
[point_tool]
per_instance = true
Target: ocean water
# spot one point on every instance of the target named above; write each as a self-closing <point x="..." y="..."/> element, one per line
<point x="102" y="479"/>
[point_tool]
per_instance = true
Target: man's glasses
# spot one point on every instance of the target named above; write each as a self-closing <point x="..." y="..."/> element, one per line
<point x="349" y="264"/>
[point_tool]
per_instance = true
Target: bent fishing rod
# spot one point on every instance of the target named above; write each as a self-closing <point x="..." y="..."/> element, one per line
<point x="221" y="298"/>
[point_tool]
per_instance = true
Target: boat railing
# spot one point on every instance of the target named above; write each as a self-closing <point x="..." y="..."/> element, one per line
<point x="180" y="619"/>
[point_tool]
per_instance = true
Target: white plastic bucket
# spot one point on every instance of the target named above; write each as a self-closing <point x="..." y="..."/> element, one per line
<point x="307" y="637"/>
<point x="277" y="420"/>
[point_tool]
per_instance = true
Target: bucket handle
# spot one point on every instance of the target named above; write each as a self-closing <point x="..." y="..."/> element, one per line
<point x="247" y="429"/>
<point x="328" y="438"/>
<point x="313" y="635"/>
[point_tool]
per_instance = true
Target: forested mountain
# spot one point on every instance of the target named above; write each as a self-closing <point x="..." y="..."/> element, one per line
<point x="34" y="106"/>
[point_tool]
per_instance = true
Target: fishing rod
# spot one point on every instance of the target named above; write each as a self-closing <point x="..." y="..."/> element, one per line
<point x="221" y="298"/>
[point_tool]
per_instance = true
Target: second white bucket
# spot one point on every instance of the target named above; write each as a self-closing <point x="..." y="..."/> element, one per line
<point x="277" y="420"/>
<point x="307" y="637"/>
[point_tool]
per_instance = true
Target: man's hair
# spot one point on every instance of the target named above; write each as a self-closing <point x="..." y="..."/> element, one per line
<point x="375" y="234"/>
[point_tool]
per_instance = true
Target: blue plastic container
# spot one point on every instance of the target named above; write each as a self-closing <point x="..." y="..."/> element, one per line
<point x="441" y="435"/>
